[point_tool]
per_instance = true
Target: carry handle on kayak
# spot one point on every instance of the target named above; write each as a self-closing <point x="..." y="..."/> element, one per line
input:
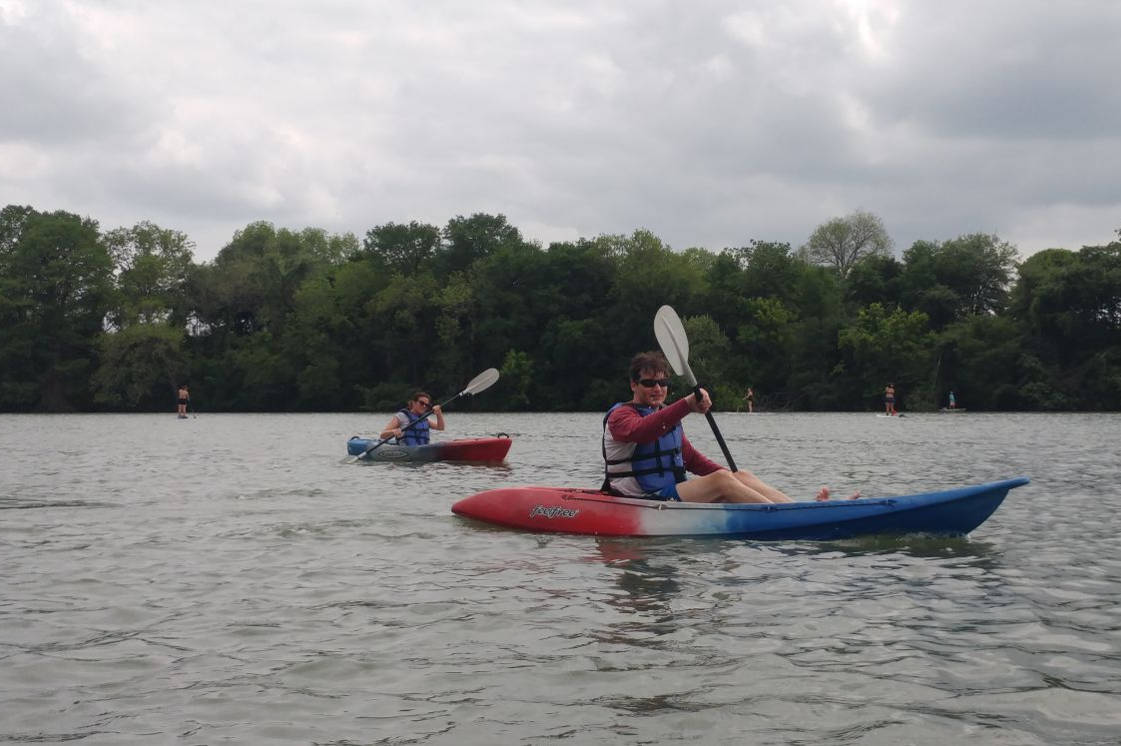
<point x="675" y="346"/>
<point x="481" y="382"/>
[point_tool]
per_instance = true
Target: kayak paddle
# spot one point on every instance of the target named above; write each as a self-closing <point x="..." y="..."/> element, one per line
<point x="481" y="382"/>
<point x="675" y="346"/>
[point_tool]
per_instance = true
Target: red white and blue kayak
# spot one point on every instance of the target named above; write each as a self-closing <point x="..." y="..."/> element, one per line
<point x="579" y="511"/>
<point x="464" y="449"/>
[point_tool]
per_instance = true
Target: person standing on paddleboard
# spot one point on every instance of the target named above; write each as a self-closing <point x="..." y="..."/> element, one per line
<point x="416" y="409"/>
<point x="184" y="396"/>
<point x="647" y="455"/>
<point x="889" y="399"/>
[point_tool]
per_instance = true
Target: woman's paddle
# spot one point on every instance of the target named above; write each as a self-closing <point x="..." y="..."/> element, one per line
<point x="481" y="382"/>
<point x="675" y="346"/>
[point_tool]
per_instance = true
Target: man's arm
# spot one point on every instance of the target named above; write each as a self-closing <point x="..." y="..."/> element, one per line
<point x="627" y="425"/>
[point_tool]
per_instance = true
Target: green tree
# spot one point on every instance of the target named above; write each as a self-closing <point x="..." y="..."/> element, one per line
<point x="841" y="242"/>
<point x="883" y="347"/>
<point x="578" y="357"/>
<point x="469" y="239"/>
<point x="966" y="275"/>
<point x="978" y="268"/>
<point x="140" y="367"/>
<point x="142" y="357"/>
<point x="252" y="283"/>
<point x="405" y="313"/>
<point x="1070" y="306"/>
<point x="316" y="344"/>
<point x="55" y="292"/>
<point x="13" y="218"/>
<point x="650" y="275"/>
<point x="507" y="286"/>
<point x="268" y="378"/>
<point x="403" y="248"/>
<point x="982" y="359"/>
<point x="153" y="265"/>
<point x="764" y="345"/>
<point x="517" y="377"/>
<point x="251" y="289"/>
<point x="874" y="279"/>
<point x="709" y="354"/>
<point x="330" y="249"/>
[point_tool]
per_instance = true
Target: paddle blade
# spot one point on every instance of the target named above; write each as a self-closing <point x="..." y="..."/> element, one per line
<point x="675" y="345"/>
<point x="481" y="382"/>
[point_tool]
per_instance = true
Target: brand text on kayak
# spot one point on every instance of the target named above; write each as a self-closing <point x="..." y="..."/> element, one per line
<point x="552" y="511"/>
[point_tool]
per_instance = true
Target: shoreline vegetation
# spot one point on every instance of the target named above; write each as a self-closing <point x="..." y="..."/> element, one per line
<point x="306" y="321"/>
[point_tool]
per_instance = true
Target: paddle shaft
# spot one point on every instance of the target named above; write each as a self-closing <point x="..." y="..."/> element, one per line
<point x="716" y="431"/>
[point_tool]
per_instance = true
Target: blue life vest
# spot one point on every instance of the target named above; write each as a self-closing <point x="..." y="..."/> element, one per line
<point x="642" y="468"/>
<point x="417" y="435"/>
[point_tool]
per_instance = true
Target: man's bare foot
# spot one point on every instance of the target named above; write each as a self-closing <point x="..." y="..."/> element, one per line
<point x="823" y="495"/>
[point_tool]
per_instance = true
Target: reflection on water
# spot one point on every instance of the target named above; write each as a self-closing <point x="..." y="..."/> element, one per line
<point x="648" y="586"/>
<point x="235" y="578"/>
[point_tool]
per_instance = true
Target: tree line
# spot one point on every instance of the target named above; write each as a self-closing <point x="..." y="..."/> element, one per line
<point x="285" y="320"/>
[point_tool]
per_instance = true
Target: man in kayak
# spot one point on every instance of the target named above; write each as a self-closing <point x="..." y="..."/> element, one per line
<point x="646" y="453"/>
<point x="415" y="411"/>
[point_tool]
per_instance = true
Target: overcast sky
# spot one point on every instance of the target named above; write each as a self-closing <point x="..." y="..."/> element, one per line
<point x="708" y="123"/>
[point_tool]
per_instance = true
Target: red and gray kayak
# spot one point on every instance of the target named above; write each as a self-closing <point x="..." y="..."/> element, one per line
<point x="579" y="511"/>
<point x="464" y="449"/>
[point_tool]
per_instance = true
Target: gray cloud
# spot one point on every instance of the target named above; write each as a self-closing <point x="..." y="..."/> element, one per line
<point x="710" y="123"/>
<point x="1018" y="70"/>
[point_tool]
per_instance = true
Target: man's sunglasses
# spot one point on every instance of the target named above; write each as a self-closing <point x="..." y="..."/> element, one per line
<point x="423" y="403"/>
<point x="652" y="382"/>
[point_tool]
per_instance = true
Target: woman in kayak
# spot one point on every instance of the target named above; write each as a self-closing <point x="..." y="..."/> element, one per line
<point x="416" y="411"/>
<point x="646" y="453"/>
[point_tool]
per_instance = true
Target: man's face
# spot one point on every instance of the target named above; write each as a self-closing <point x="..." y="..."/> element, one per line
<point x="652" y="395"/>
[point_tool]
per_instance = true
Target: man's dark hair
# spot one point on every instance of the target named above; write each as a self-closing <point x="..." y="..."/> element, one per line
<point x="654" y="361"/>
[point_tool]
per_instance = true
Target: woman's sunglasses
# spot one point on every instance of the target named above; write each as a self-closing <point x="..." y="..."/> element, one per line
<point x="652" y="382"/>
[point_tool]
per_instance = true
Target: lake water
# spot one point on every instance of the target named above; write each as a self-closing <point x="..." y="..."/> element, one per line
<point x="231" y="579"/>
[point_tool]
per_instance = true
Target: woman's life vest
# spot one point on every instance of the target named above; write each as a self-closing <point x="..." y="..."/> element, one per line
<point x="417" y="435"/>
<point x="638" y="469"/>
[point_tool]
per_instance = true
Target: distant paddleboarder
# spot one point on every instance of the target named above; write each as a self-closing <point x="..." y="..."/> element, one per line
<point x="889" y="400"/>
<point x="184" y="397"/>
